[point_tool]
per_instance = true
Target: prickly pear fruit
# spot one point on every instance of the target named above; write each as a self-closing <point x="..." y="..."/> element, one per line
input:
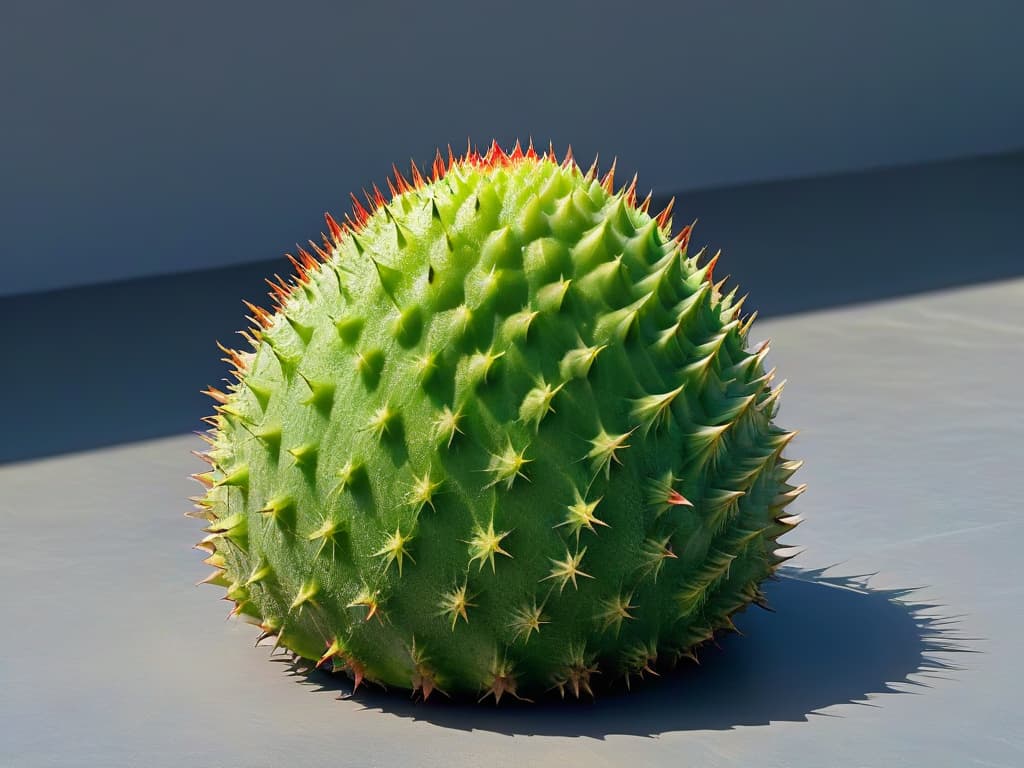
<point x="501" y="433"/>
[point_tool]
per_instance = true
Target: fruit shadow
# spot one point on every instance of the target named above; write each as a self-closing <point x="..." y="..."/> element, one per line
<point x="827" y="641"/>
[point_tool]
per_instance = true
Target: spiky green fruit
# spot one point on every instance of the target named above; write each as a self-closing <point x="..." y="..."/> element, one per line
<point x="503" y="434"/>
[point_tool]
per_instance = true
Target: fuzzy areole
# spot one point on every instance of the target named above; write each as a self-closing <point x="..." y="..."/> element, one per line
<point x="501" y="434"/>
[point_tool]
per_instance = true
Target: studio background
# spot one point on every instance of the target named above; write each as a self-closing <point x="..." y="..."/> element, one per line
<point x="150" y="138"/>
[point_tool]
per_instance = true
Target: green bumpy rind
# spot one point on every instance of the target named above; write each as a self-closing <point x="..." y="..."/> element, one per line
<point x="505" y="435"/>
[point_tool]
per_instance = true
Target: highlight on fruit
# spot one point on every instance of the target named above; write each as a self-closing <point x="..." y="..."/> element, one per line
<point x="500" y="434"/>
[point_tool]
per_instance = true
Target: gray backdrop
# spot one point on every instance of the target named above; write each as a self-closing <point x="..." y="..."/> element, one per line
<point x="142" y="138"/>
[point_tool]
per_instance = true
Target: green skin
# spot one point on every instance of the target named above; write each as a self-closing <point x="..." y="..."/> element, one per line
<point x="507" y="436"/>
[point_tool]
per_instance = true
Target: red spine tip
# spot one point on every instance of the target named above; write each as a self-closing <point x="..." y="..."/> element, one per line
<point x="279" y="291"/>
<point x="683" y="238"/>
<point x="495" y="154"/>
<point x="333" y="226"/>
<point x="216" y="395"/>
<point x="711" y="268"/>
<point x="677" y="499"/>
<point x="608" y="182"/>
<point x="233" y="356"/>
<point x="631" y="191"/>
<point x="300" y="270"/>
<point x="417" y="177"/>
<point x="321" y="253"/>
<point x="664" y="216"/>
<point x="437" y="168"/>
<point x="401" y="183"/>
<point x="259" y="314"/>
<point x="369" y="199"/>
<point x="307" y="258"/>
<point x="358" y="210"/>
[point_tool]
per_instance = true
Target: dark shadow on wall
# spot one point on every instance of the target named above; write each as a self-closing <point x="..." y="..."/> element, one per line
<point x="830" y="641"/>
<point x="819" y="243"/>
<point x="105" y="364"/>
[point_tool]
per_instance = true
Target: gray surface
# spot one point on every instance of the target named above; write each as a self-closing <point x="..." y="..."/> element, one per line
<point x="141" y="138"/>
<point x="913" y="430"/>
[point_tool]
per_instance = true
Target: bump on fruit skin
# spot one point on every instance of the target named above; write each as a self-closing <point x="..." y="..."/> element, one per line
<point x="499" y="434"/>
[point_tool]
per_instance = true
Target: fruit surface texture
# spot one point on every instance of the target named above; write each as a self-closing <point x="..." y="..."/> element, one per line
<point x="500" y="434"/>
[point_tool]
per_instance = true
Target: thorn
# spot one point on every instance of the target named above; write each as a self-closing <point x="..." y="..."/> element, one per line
<point x="630" y="191"/>
<point x="508" y="466"/>
<point x="358" y="210"/>
<point x="216" y="578"/>
<point x="307" y="593"/>
<point x="215" y="394"/>
<point x="401" y="183"/>
<point x="277" y="295"/>
<point x="300" y="270"/>
<point x="233" y="356"/>
<point x="486" y="544"/>
<point x="205" y="457"/>
<point x="320" y="252"/>
<point x="358" y="673"/>
<point x="437" y="170"/>
<point x="608" y="182"/>
<point x="527" y="619"/>
<point x="395" y="549"/>
<point x="683" y="238"/>
<point x="417" y="177"/>
<point x="502" y="681"/>
<point x="495" y="155"/>
<point x="581" y="515"/>
<point x="663" y="217"/>
<point x="260" y="316"/>
<point x="206" y="438"/>
<point x="308" y="261"/>
<point x="369" y="601"/>
<point x="334" y="227"/>
<point x="568" y="161"/>
<point x="333" y="650"/>
<point x="568" y="569"/>
<point x="454" y="604"/>
<point x="710" y="267"/>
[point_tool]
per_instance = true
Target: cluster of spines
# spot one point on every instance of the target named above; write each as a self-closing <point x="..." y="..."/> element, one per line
<point x="604" y="272"/>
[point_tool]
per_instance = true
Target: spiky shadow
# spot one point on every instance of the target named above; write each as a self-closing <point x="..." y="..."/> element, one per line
<point x="830" y="640"/>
